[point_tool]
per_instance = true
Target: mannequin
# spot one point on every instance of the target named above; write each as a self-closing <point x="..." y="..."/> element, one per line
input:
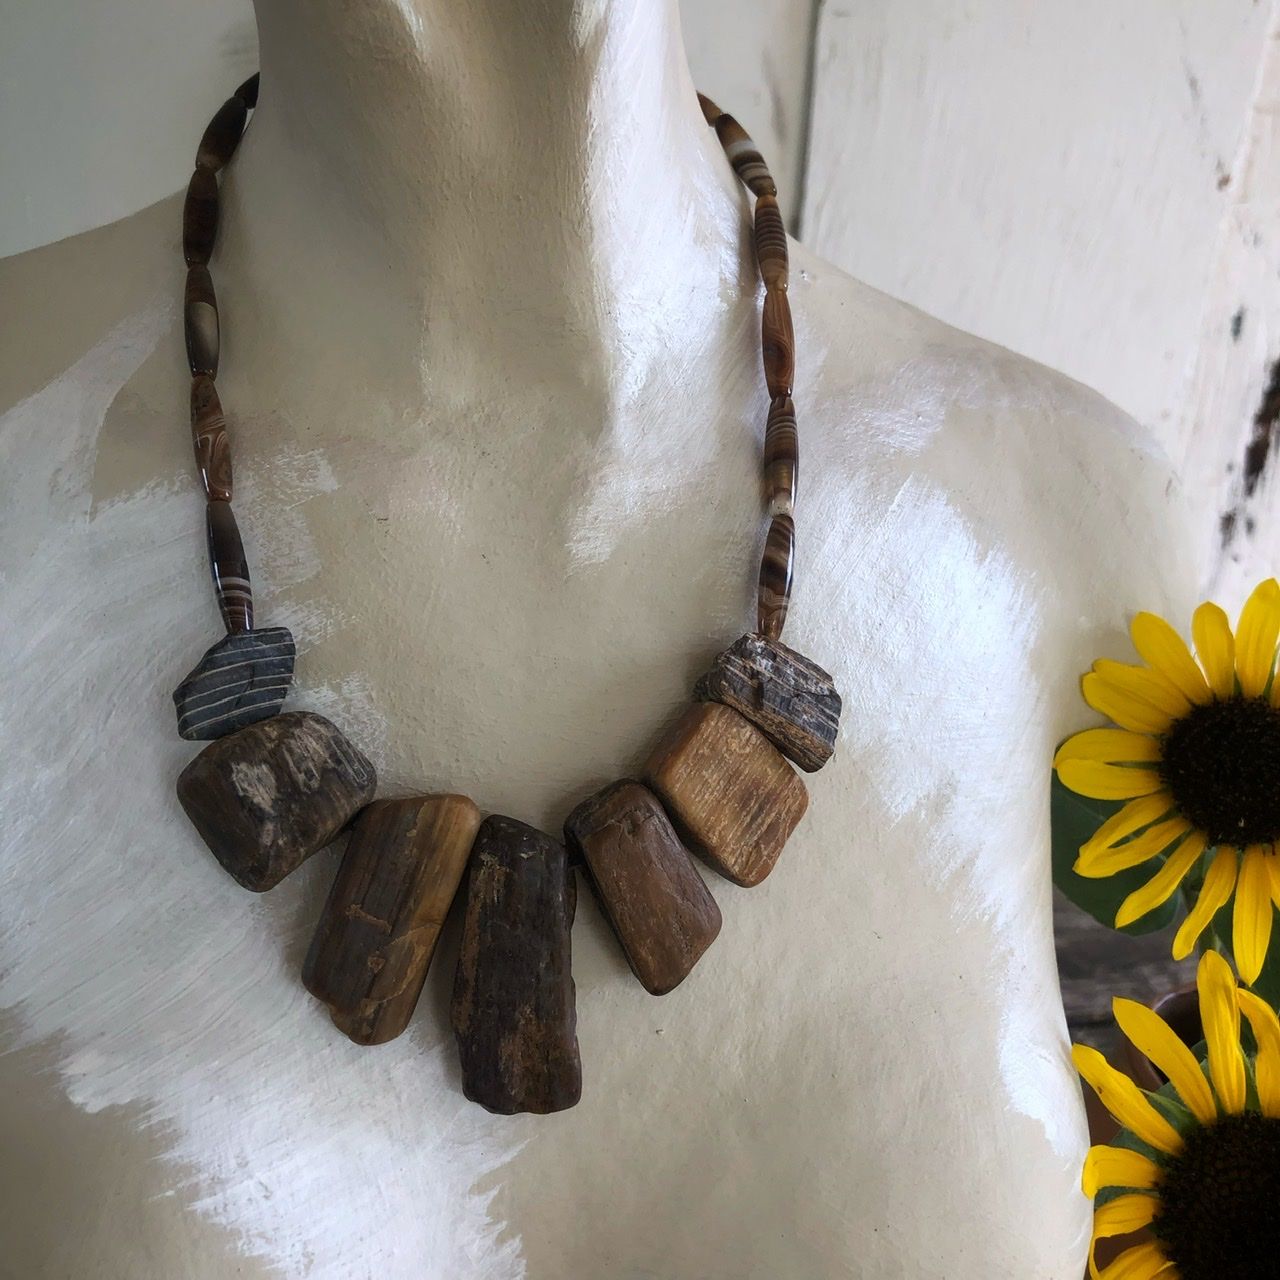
<point x="491" y="371"/>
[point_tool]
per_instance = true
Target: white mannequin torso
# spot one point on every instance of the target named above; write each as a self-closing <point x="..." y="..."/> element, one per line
<point x="492" y="373"/>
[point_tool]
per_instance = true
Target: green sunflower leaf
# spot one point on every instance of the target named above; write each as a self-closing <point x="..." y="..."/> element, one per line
<point x="1072" y="820"/>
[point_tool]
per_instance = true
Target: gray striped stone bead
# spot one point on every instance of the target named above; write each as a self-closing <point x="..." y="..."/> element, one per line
<point x="244" y="678"/>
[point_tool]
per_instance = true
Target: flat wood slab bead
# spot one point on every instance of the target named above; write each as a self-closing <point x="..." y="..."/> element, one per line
<point x="791" y="700"/>
<point x="651" y="893"/>
<point x="732" y="796"/>
<point x="513" y="1009"/>
<point x="268" y="797"/>
<point x="373" y="946"/>
<point x="242" y="679"/>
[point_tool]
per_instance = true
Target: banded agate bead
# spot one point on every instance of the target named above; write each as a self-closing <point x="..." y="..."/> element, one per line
<point x="222" y="135"/>
<point x="771" y="243"/>
<point x="744" y="155"/>
<point x="229" y="566"/>
<point x="773" y="591"/>
<point x="710" y="112"/>
<point x="200" y="322"/>
<point x="781" y="457"/>
<point x="200" y="218"/>
<point x="209" y="439"/>
<point x="777" y="344"/>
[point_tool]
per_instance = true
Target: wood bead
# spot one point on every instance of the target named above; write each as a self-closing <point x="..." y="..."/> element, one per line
<point x="513" y="1001"/>
<point x="229" y="567"/>
<point x="730" y="793"/>
<point x="777" y="344"/>
<point x="248" y="91"/>
<point x="268" y="797"/>
<point x="370" y="953"/>
<point x="773" y="590"/>
<point x="647" y="885"/>
<point x="200" y="218"/>
<point x="781" y="457"/>
<point x="790" y="699"/>
<point x="771" y="243"/>
<point x="209" y="438"/>
<point x="744" y="155"/>
<point x="242" y="679"/>
<point x="222" y="135"/>
<point x="200" y="322"/>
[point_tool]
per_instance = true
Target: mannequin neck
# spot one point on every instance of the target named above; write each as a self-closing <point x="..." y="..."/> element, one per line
<point x="495" y="171"/>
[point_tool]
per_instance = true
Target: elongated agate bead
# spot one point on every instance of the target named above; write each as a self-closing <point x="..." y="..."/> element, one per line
<point x="710" y="112"/>
<point x="771" y="243"/>
<point x="744" y="155"/>
<point x="776" y="566"/>
<point x="229" y="566"/>
<point x="248" y="91"/>
<point x="200" y="322"/>
<point x="781" y="457"/>
<point x="200" y="218"/>
<point x="209" y="439"/>
<point x="777" y="344"/>
<point x="222" y="136"/>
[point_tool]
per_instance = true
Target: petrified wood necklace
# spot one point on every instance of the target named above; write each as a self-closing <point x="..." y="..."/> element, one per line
<point x="271" y="789"/>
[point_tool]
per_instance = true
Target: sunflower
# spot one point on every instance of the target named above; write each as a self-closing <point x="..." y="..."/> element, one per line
<point x="1196" y="755"/>
<point x="1209" y="1188"/>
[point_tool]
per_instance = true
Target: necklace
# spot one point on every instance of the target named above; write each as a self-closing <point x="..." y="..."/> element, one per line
<point x="272" y="788"/>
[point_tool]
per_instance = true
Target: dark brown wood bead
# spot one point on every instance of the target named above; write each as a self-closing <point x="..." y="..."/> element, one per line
<point x="268" y="797"/>
<point x="222" y="135"/>
<point x="773" y="591"/>
<point x="513" y="1001"/>
<point x="781" y="457"/>
<point x="200" y="322"/>
<point x="200" y="218"/>
<point x="744" y="155"/>
<point x="730" y="793"/>
<point x="710" y="112"/>
<point x="248" y="92"/>
<point x="209" y="438"/>
<point x="790" y="699"/>
<point x="771" y="243"/>
<point x="777" y="344"/>
<point x="229" y="567"/>
<point x="369" y="957"/>
<point x="648" y="887"/>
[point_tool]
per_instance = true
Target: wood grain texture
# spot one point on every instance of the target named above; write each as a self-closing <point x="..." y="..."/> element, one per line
<point x="372" y="948"/>
<point x="242" y="679"/>
<point x="789" y="698"/>
<point x="514" y="1013"/>
<point x="731" y="795"/>
<point x="650" y="891"/>
<point x="268" y="797"/>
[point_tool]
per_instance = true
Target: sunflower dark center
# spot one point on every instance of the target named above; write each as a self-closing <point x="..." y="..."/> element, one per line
<point x="1221" y="761"/>
<point x="1217" y="1218"/>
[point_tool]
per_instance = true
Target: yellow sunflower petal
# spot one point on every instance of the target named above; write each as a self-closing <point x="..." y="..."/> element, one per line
<point x="1220" y="1018"/>
<point x="1099" y="863"/>
<point x="1256" y="635"/>
<point x="1160" y="888"/>
<point x="1151" y="1035"/>
<point x="1124" y="1214"/>
<point x="1108" y="781"/>
<point x="1126" y="1102"/>
<point x="1117" y="1167"/>
<point x="1109" y="746"/>
<point x="1273" y="865"/>
<point x="1144" y="1261"/>
<point x="1216" y="648"/>
<point x="1126" y="710"/>
<point x="1143" y="683"/>
<point x="1266" y="1031"/>
<point x="1215" y="891"/>
<point x="1165" y="652"/>
<point x="1251" y="917"/>
<point x="1137" y="813"/>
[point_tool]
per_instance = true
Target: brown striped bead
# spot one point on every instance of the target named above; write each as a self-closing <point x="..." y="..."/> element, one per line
<point x="771" y="243"/>
<point x="744" y="155"/>
<point x="776" y="564"/>
<point x="778" y="344"/>
<point x="209" y="436"/>
<point x="710" y="112"/>
<point x="781" y="457"/>
<point x="248" y="92"/>
<point x="200" y="322"/>
<point x="230" y="567"/>
<point x="222" y="136"/>
<point x="200" y="218"/>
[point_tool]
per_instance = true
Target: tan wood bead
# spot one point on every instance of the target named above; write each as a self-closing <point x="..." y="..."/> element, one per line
<point x="781" y="457"/>
<point x="200" y="218"/>
<point x="209" y="439"/>
<point x="651" y="893"/>
<point x="777" y="566"/>
<point x="771" y="243"/>
<point x="731" y="794"/>
<point x="777" y="344"/>
<point x="200" y="322"/>
<point x="369" y="957"/>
